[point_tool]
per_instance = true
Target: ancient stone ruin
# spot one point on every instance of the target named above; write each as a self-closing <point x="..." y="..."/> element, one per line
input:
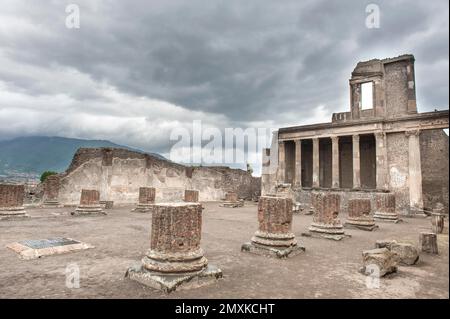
<point x="191" y="196"/>
<point x="274" y="236"/>
<point x="385" y="209"/>
<point x="119" y="173"/>
<point x="11" y="202"/>
<point x="89" y="204"/>
<point x="381" y="145"/>
<point x="428" y="243"/>
<point x="146" y="199"/>
<point x="232" y="200"/>
<point x="326" y="222"/>
<point x="379" y="262"/>
<point x="175" y="258"/>
<point x="359" y="215"/>
<point x="51" y="191"/>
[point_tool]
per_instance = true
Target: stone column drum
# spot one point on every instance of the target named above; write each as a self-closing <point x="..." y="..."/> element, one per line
<point x="326" y="223"/>
<point x="359" y="215"/>
<point x="89" y="203"/>
<point x="175" y="257"/>
<point x="385" y="208"/>
<point x="51" y="191"/>
<point x="11" y="202"/>
<point x="191" y="196"/>
<point x="146" y="199"/>
<point x="232" y="200"/>
<point x="274" y="236"/>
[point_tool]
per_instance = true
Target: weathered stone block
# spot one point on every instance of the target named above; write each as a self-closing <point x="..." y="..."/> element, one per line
<point x="175" y="257"/>
<point x="359" y="215"/>
<point x="428" y="243"/>
<point x="51" y="191"/>
<point x="407" y="253"/>
<point x="437" y="223"/>
<point x="231" y="200"/>
<point x="274" y="236"/>
<point x="379" y="261"/>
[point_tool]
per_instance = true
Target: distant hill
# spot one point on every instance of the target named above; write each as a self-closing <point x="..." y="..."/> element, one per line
<point x="26" y="158"/>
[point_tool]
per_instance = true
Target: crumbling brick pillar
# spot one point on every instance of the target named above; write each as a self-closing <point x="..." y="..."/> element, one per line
<point x="51" y="191"/>
<point x="175" y="256"/>
<point x="191" y="196"/>
<point x="326" y="223"/>
<point x="89" y="203"/>
<point x="385" y="208"/>
<point x="232" y="200"/>
<point x="274" y="235"/>
<point x="146" y="199"/>
<point x="11" y="201"/>
<point x="359" y="214"/>
<point x="356" y="163"/>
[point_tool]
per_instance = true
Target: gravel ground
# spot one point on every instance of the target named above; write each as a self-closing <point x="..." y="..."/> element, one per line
<point x="327" y="269"/>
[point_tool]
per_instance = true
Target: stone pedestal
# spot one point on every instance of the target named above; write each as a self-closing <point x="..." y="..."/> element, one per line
<point x="428" y="243"/>
<point x="51" y="192"/>
<point x="146" y="199"/>
<point x="359" y="215"/>
<point x="274" y="236"/>
<point x="385" y="208"/>
<point x="175" y="259"/>
<point x="191" y="196"/>
<point x="89" y="204"/>
<point x="231" y="200"/>
<point x="11" y="202"/>
<point x="437" y="223"/>
<point x="326" y="223"/>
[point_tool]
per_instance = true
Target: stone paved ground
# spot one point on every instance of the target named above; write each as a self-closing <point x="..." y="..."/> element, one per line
<point x="327" y="269"/>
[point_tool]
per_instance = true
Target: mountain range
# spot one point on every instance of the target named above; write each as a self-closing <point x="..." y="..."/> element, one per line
<point x="26" y="158"/>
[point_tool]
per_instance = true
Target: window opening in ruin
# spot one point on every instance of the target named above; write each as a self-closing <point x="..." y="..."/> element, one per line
<point x="367" y="96"/>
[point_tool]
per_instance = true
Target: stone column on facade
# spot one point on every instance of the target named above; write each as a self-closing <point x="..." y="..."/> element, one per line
<point x="191" y="195"/>
<point x="89" y="203"/>
<point x="298" y="163"/>
<point x="11" y="202"/>
<point x="281" y="163"/>
<point x="175" y="257"/>
<point x="381" y="161"/>
<point x="274" y="236"/>
<point x="335" y="162"/>
<point x="326" y="223"/>
<point x="385" y="209"/>
<point x="51" y="191"/>
<point x="232" y="200"/>
<point x="316" y="163"/>
<point x="415" y="173"/>
<point x="359" y="215"/>
<point x="146" y="199"/>
<point x="356" y="163"/>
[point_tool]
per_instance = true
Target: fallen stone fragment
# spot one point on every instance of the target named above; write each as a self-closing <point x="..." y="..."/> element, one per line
<point x="378" y="262"/>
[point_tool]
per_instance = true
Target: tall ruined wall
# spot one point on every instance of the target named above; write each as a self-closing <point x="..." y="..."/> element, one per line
<point x="397" y="151"/>
<point x="118" y="174"/>
<point x="434" y="161"/>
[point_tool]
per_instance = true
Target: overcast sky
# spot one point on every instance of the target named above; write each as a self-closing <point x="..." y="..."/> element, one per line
<point x="136" y="69"/>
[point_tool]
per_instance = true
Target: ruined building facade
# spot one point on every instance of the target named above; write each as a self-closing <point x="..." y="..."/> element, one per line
<point x="118" y="174"/>
<point x="386" y="146"/>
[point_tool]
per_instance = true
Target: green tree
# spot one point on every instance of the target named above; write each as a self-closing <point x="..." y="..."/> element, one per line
<point x="47" y="174"/>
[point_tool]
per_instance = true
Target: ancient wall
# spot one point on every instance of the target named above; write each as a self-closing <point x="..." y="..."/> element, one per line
<point x="118" y="174"/>
<point x="397" y="152"/>
<point x="434" y="162"/>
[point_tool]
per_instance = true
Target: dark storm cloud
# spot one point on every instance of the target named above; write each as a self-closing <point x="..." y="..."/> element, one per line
<point x="234" y="62"/>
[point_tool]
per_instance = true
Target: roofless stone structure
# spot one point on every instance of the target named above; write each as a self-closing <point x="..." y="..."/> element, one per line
<point x="381" y="145"/>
